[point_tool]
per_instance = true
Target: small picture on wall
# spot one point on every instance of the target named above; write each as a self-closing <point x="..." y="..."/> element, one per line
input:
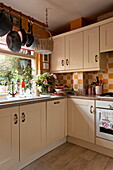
<point x="45" y="58"/>
<point x="45" y="66"/>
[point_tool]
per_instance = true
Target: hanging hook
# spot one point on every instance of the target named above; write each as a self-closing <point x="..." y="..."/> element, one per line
<point x="47" y="16"/>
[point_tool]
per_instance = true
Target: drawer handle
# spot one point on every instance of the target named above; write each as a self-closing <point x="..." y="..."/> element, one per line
<point x="62" y="62"/>
<point x="56" y="102"/>
<point x="15" y="119"/>
<point x="67" y="62"/>
<point x="23" y="117"/>
<point x="96" y="58"/>
<point x="91" y="109"/>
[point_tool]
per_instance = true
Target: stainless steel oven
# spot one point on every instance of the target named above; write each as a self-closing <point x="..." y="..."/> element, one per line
<point x="104" y="119"/>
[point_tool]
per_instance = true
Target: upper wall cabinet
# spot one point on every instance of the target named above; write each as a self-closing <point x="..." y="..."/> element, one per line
<point x="78" y="51"/>
<point x="93" y="60"/>
<point x="57" y="58"/>
<point x="74" y="51"/>
<point x="68" y="52"/>
<point x="91" y="48"/>
<point x="106" y="37"/>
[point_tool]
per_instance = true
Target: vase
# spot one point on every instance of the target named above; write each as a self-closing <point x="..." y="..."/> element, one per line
<point x="44" y="90"/>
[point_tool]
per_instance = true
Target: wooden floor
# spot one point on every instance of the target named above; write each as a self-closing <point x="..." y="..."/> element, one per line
<point x="72" y="157"/>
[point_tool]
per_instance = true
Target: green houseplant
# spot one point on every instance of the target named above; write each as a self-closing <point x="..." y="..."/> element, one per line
<point x="28" y="76"/>
<point x="45" y="80"/>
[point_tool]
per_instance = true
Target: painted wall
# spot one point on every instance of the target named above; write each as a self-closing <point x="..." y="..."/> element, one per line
<point x="80" y="81"/>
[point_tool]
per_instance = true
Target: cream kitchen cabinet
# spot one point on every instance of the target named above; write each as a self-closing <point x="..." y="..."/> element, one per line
<point x="32" y="129"/>
<point x="56" y="116"/>
<point x="74" y="51"/>
<point x="9" y="137"/>
<point x="106" y="37"/>
<point x="91" y="48"/>
<point x="58" y="55"/>
<point x="81" y="119"/>
<point x="67" y="53"/>
<point x="93" y="60"/>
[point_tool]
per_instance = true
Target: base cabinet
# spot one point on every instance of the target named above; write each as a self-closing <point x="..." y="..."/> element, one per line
<point x="55" y="120"/>
<point x="81" y="119"/>
<point x="32" y="129"/>
<point x="9" y="137"/>
<point x="27" y="130"/>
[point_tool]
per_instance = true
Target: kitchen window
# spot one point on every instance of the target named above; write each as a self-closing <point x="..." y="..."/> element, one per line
<point x="11" y="69"/>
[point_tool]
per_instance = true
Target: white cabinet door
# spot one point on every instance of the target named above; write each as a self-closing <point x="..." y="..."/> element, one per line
<point x="74" y="51"/>
<point x="91" y="48"/>
<point x="81" y="119"/>
<point x="9" y="137"/>
<point x="106" y="37"/>
<point x="57" y="57"/>
<point x="32" y="129"/>
<point x="55" y="120"/>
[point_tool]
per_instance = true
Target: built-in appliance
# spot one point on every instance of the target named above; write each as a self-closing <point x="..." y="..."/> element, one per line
<point x="104" y="119"/>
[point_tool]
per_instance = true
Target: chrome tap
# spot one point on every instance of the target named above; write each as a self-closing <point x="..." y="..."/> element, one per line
<point x="13" y="93"/>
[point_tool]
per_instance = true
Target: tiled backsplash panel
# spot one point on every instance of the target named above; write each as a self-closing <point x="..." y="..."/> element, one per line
<point x="80" y="80"/>
<point x="65" y="79"/>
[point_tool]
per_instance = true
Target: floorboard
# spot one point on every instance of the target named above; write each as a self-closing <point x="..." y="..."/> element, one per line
<point x="72" y="157"/>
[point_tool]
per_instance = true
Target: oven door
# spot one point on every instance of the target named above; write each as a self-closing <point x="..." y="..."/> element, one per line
<point x="104" y="123"/>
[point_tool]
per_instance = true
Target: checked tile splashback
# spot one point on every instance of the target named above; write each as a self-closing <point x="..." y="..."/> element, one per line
<point x="80" y="80"/>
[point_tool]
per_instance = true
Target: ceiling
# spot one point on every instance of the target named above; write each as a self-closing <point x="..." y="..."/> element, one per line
<point x="61" y="12"/>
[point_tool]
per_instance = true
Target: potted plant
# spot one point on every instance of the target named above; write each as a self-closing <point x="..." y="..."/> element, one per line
<point x="44" y="81"/>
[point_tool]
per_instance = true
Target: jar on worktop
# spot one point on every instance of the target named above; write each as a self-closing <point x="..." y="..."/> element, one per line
<point x="92" y="90"/>
<point x="89" y="90"/>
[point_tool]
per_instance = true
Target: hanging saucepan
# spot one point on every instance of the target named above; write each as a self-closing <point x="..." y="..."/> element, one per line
<point x="6" y="23"/>
<point x="22" y="34"/>
<point x="30" y="37"/>
<point x="13" y="41"/>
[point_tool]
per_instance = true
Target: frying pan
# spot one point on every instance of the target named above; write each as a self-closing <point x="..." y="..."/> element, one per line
<point x="13" y="41"/>
<point x="29" y="35"/>
<point x="22" y="34"/>
<point x="6" y="23"/>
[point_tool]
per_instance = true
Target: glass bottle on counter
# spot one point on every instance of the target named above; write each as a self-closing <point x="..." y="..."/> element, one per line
<point x="22" y="86"/>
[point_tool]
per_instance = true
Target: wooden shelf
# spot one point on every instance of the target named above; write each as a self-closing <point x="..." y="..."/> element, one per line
<point x="17" y="54"/>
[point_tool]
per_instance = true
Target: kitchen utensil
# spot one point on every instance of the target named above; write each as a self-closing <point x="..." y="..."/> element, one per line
<point x="29" y="36"/>
<point x="98" y="90"/>
<point x="6" y="23"/>
<point x="22" y="34"/>
<point x="97" y="80"/>
<point x="13" y="41"/>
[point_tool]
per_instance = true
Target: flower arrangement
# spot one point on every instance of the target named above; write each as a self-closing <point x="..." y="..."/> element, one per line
<point x="45" y="80"/>
<point x="3" y="82"/>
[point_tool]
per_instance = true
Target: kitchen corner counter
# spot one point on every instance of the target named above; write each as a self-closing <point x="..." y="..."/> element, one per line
<point x="93" y="97"/>
<point x="16" y="101"/>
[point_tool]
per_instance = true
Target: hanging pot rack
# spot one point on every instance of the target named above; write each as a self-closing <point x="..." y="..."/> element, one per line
<point x="18" y="14"/>
<point x="41" y="46"/>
